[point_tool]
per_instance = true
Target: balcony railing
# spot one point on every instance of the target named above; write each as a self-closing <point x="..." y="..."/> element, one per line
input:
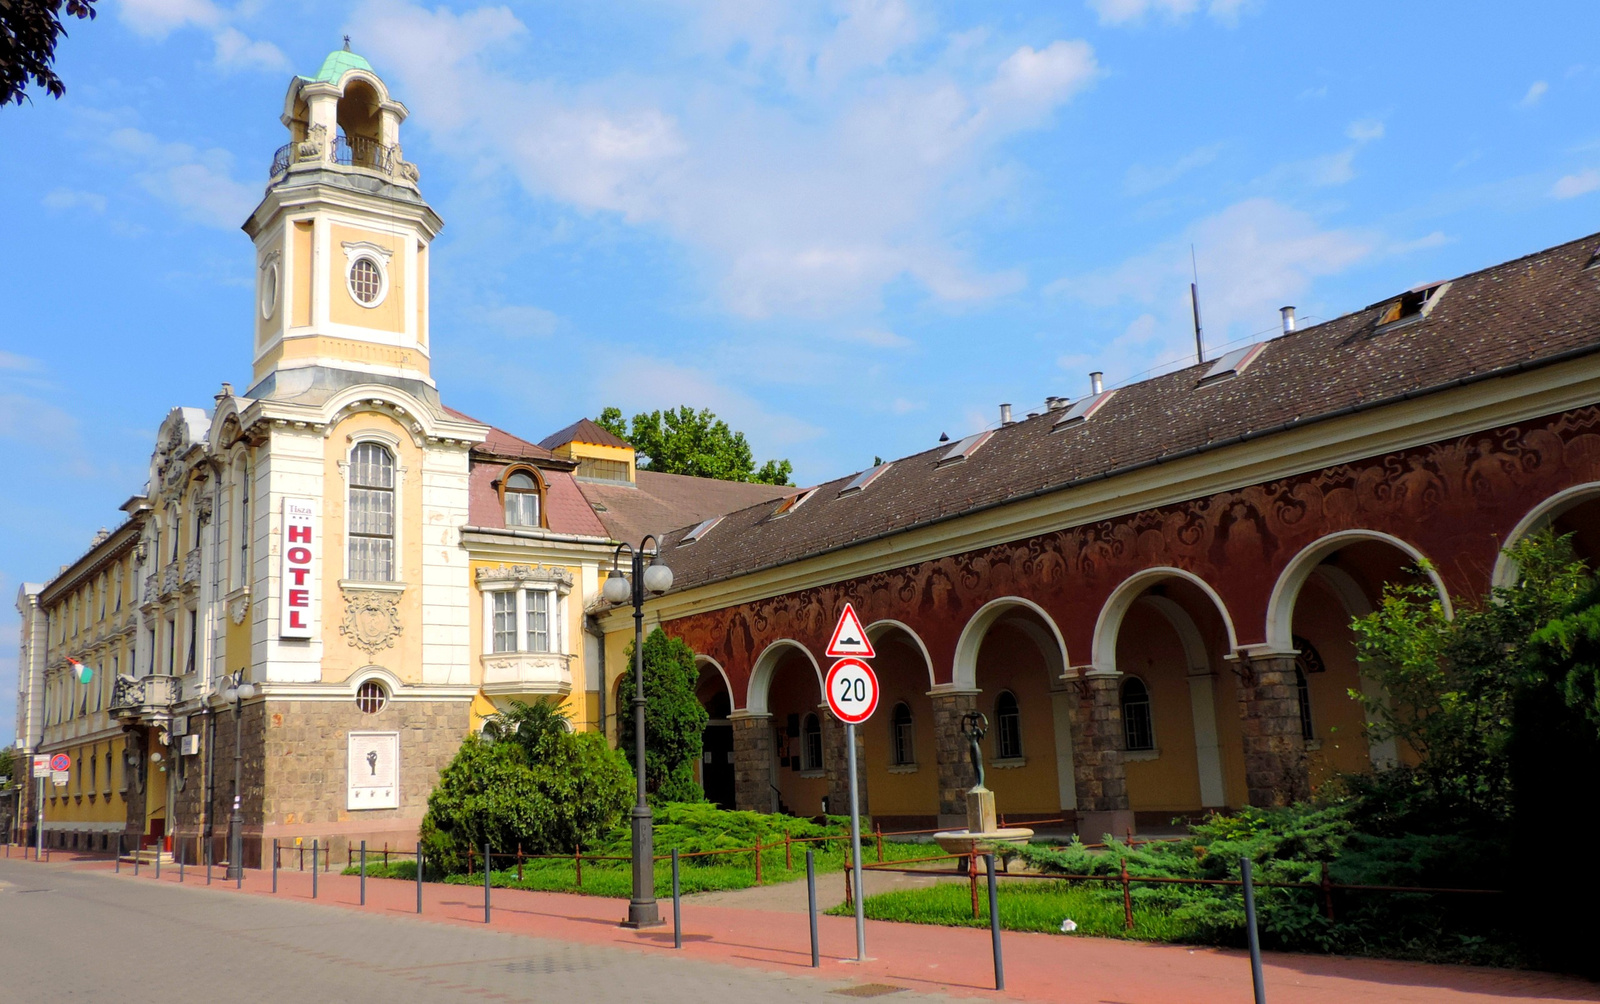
<point x="280" y="160"/>
<point x="351" y="151"/>
<point x="135" y="695"/>
<point x="362" y="151"/>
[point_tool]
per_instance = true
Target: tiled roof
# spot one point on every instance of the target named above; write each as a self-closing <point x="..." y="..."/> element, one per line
<point x="1511" y="315"/>
<point x="583" y="431"/>
<point x="502" y="443"/>
<point x="662" y="502"/>
<point x="566" y="510"/>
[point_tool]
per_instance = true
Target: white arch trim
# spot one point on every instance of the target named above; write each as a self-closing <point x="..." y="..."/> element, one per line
<point x="767" y="664"/>
<point x="1109" y="624"/>
<point x="706" y="660"/>
<point x="1053" y="646"/>
<point x="1280" y="607"/>
<point x="1539" y="517"/>
<point x="877" y="629"/>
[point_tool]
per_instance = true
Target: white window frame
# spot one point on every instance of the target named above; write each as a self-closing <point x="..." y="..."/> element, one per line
<point x="379" y="255"/>
<point x="555" y="608"/>
<point x="397" y="566"/>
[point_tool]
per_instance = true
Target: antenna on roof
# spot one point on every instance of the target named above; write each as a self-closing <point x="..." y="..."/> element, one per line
<point x="1194" y="300"/>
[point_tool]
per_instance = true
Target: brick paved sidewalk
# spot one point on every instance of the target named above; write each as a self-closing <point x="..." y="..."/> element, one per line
<point x="944" y="960"/>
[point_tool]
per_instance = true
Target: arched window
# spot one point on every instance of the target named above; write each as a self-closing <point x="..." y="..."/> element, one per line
<point x="811" y="743"/>
<point x="241" y="523"/>
<point x="1303" y="692"/>
<point x="371" y="513"/>
<point x="522" y="500"/>
<point x="1008" y="726"/>
<point x="1136" y="725"/>
<point x="900" y="736"/>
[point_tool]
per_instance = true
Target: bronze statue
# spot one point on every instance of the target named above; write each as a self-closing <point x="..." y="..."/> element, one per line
<point x="975" y="725"/>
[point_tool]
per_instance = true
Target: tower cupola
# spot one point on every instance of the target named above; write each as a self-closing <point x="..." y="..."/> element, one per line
<point x="342" y="240"/>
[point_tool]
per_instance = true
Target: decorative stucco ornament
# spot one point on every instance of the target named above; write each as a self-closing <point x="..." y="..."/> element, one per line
<point x="371" y="620"/>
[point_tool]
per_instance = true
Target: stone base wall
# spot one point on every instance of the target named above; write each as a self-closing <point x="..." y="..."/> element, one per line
<point x="1275" y="769"/>
<point x="1100" y="777"/>
<point x="752" y="762"/>
<point x="952" y="754"/>
<point x="835" y="762"/>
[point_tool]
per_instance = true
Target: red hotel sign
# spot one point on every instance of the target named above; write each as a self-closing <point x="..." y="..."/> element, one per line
<point x="301" y="540"/>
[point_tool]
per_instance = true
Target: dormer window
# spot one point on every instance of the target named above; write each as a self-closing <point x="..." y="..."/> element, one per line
<point x="1413" y="305"/>
<point x="522" y="499"/>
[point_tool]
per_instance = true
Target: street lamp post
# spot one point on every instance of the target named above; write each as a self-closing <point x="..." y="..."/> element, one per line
<point x="654" y="578"/>
<point x="235" y="691"/>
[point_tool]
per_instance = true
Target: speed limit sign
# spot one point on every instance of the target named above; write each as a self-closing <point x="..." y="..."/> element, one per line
<point x="852" y="691"/>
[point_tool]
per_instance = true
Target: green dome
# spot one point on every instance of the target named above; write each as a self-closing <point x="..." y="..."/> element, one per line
<point x="338" y="63"/>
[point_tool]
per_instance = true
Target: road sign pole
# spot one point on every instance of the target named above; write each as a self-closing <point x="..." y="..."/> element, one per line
<point x="38" y="830"/>
<point x="855" y="843"/>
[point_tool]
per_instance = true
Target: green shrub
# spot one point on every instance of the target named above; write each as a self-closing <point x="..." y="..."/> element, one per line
<point x="675" y="721"/>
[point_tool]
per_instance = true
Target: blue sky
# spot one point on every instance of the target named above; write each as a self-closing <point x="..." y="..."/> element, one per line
<point x="846" y="227"/>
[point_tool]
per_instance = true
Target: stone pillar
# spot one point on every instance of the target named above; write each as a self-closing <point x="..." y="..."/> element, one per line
<point x="952" y="752"/>
<point x="752" y="761"/>
<point x="834" y="760"/>
<point x="1274" y="751"/>
<point x="1097" y="743"/>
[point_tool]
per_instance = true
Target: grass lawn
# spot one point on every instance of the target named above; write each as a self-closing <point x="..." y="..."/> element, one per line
<point x="707" y="874"/>
<point x="1025" y="905"/>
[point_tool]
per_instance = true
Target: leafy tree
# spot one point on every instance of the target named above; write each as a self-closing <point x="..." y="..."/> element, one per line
<point x="1452" y="685"/>
<point x="1571" y="647"/>
<point x="29" y="30"/>
<point x="674" y="720"/>
<point x="539" y="787"/>
<point x="698" y="444"/>
<point x="8" y="757"/>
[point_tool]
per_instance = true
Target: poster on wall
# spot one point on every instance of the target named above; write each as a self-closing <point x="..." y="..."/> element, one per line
<point x="297" y="592"/>
<point x="374" y="771"/>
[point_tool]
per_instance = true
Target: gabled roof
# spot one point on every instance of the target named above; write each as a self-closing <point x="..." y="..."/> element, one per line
<point x="1527" y="312"/>
<point x="583" y="431"/>
<point x="502" y="443"/>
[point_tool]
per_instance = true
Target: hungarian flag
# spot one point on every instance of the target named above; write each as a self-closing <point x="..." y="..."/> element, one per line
<point x="83" y="673"/>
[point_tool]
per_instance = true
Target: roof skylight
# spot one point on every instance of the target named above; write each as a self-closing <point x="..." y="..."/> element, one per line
<point x="860" y="482"/>
<point x="965" y="448"/>
<point x="791" y="503"/>
<point x="1413" y="305"/>
<point x="700" y="530"/>
<point x="1233" y="363"/>
<point x="1082" y="409"/>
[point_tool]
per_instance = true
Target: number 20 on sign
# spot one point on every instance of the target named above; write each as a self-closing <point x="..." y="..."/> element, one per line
<point x="852" y="691"/>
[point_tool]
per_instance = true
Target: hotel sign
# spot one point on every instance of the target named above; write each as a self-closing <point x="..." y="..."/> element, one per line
<point x="302" y="539"/>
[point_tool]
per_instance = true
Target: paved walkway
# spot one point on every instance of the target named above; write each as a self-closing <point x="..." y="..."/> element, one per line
<point x="921" y="959"/>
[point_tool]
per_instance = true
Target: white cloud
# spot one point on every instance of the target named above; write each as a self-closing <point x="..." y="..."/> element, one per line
<point x="237" y="51"/>
<point x="199" y="183"/>
<point x="656" y="383"/>
<point x="1572" y="185"/>
<point x="808" y="205"/>
<point x="877" y="338"/>
<point x="1141" y="179"/>
<point x="1536" y="90"/>
<point x="67" y="198"/>
<point x="1365" y="130"/>
<point x="17" y="363"/>
<point x="159" y="18"/>
<point x="1335" y="168"/>
<point x="1255" y="256"/>
<point x="1117" y="12"/>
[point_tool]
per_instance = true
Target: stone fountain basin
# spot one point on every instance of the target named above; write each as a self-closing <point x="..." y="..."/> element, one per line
<point x="962" y="841"/>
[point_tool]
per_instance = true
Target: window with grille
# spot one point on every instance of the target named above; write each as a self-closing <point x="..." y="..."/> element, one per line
<point x="241" y="575"/>
<point x="1303" y="692"/>
<point x="811" y="743"/>
<point x="1136" y="725"/>
<point x="602" y="470"/>
<point x="505" y="621"/>
<point x="371" y="697"/>
<point x="1008" y="726"/>
<point x="522" y="500"/>
<point x="538" y="620"/>
<point x="371" y="528"/>
<point x="900" y="735"/>
<point x="366" y="280"/>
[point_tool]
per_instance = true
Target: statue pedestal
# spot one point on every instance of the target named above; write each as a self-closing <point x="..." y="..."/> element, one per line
<point x="982" y="828"/>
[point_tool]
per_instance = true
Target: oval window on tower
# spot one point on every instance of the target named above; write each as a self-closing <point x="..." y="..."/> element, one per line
<point x="366" y="280"/>
<point x="269" y="290"/>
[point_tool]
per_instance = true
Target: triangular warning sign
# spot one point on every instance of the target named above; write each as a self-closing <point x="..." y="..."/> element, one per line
<point x="850" y="638"/>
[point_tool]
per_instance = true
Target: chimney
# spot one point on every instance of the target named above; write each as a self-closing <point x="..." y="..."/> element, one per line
<point x="1288" y="318"/>
<point x="1097" y="382"/>
<point x="1005" y="414"/>
<point x="1055" y="403"/>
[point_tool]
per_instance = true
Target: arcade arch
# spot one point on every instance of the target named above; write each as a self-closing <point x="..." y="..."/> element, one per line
<point x="1575" y="511"/>
<point x="786" y="687"/>
<point x="905" y="794"/>
<point x="716" y="770"/>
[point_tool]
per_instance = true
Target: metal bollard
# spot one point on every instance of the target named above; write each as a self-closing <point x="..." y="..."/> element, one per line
<point x="117" y="868"/>
<point x="158" y="861"/>
<point x="180" y="862"/>
<point x="486" y="874"/>
<point x="677" y="905"/>
<point x="363" y="873"/>
<point x="314" y="849"/>
<point x="136" y="850"/>
<point x="811" y="898"/>
<point x="1256" y="979"/>
<point x="994" y="926"/>
<point x="419" y="878"/>
<point x="274" y="864"/>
